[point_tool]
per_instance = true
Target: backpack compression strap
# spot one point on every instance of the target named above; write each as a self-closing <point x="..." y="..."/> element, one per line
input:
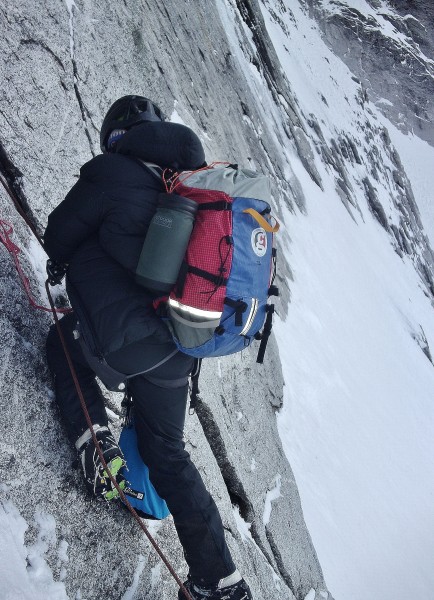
<point x="262" y="222"/>
<point x="265" y="333"/>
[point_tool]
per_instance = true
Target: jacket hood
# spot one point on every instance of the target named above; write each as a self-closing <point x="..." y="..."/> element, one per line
<point x="165" y="144"/>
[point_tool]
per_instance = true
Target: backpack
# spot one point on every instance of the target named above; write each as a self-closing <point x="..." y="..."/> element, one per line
<point x="220" y="300"/>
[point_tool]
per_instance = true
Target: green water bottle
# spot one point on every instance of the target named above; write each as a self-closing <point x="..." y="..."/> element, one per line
<point x="166" y="243"/>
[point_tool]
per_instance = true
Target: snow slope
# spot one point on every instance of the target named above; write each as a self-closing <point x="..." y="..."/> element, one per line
<point x="358" y="414"/>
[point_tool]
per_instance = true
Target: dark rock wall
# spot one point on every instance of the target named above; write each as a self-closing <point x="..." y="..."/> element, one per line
<point x="393" y="66"/>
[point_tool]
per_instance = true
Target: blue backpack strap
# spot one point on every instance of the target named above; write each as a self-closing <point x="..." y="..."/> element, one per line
<point x="240" y="308"/>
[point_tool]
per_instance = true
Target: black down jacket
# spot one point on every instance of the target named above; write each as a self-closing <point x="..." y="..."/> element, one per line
<point x="99" y="230"/>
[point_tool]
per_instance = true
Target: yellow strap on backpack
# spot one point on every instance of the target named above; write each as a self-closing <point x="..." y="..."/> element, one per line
<point x="263" y="222"/>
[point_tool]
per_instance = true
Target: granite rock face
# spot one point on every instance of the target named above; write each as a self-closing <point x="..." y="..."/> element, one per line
<point x="64" y="63"/>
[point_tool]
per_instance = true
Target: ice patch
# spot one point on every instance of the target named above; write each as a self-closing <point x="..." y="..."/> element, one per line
<point x="175" y="117"/>
<point x="271" y="496"/>
<point x="242" y="525"/>
<point x="219" y="368"/>
<point x="155" y="575"/>
<point x="24" y="572"/>
<point x="154" y="526"/>
<point x="384" y="101"/>
<point x="113" y="416"/>
<point x="131" y="591"/>
<point x="70" y="5"/>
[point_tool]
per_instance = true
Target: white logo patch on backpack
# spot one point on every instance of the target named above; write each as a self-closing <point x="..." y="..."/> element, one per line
<point x="259" y="241"/>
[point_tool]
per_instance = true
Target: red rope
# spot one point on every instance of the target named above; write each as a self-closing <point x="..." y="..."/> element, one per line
<point x="176" y="179"/>
<point x="6" y="230"/>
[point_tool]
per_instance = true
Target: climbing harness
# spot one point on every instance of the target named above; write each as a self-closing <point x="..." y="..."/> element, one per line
<point x="101" y="455"/>
<point x="6" y="231"/>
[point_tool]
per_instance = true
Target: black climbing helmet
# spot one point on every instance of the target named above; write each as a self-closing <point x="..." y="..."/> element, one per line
<point x="126" y="112"/>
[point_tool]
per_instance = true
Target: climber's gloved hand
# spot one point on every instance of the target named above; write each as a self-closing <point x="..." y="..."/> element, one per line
<point x="55" y="271"/>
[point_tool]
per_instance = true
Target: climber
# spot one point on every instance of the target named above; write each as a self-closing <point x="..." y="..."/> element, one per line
<point x="95" y="236"/>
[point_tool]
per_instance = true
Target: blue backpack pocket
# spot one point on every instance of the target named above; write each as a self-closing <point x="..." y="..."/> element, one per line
<point x="140" y="492"/>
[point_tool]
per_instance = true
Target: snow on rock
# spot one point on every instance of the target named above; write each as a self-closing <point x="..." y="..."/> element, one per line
<point x="271" y="496"/>
<point x="390" y="51"/>
<point x="24" y="571"/>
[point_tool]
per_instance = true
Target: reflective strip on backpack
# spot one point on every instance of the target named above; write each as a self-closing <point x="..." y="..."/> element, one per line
<point x="251" y="317"/>
<point x="198" y="318"/>
<point x="195" y="312"/>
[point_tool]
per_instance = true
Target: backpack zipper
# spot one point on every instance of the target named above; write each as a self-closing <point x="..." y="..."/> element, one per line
<point x="252" y="314"/>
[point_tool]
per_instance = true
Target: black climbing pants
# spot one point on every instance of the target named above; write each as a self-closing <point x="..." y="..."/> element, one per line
<point x="159" y="419"/>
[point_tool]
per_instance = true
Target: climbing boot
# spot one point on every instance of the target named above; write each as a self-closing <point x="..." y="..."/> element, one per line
<point x="230" y="588"/>
<point x="96" y="477"/>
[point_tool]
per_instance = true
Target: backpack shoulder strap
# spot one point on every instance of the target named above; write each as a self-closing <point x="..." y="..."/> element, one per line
<point x="154" y="169"/>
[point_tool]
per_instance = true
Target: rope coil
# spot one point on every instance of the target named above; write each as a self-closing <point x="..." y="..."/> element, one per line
<point x="173" y="179"/>
<point x="6" y="231"/>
